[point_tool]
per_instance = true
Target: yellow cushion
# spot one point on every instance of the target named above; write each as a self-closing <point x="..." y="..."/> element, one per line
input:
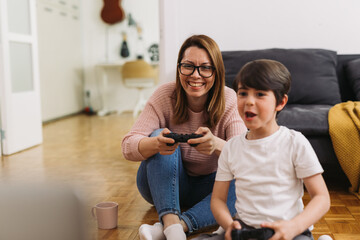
<point x="344" y="130"/>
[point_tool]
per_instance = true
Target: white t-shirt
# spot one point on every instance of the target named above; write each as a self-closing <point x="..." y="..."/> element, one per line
<point x="268" y="174"/>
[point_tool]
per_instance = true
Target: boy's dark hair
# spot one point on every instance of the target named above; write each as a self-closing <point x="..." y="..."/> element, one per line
<point x="264" y="74"/>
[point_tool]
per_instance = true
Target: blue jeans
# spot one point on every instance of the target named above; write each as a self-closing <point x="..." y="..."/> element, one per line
<point x="163" y="182"/>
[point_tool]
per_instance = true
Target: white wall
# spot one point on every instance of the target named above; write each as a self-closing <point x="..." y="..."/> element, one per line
<point x="73" y="39"/>
<point x="102" y="44"/>
<point x="249" y="24"/>
<point x="60" y="57"/>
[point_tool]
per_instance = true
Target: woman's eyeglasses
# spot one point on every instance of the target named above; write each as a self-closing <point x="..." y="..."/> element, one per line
<point x="188" y="69"/>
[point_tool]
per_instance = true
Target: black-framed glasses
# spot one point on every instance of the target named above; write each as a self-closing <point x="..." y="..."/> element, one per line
<point x="188" y="69"/>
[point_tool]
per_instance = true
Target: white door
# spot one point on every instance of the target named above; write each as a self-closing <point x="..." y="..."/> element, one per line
<point x="21" y="124"/>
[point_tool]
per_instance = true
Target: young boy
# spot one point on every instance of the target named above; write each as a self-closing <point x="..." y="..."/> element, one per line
<point x="269" y="163"/>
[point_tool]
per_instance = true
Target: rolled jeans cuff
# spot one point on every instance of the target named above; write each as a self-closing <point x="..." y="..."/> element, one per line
<point x="190" y="221"/>
<point x="165" y="211"/>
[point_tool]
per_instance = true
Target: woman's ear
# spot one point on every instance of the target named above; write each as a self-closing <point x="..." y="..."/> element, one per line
<point x="282" y="104"/>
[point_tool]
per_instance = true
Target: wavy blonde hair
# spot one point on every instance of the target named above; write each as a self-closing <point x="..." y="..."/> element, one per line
<point x="215" y="104"/>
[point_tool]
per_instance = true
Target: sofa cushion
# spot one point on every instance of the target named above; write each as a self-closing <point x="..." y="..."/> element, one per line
<point x="313" y="71"/>
<point x="310" y="120"/>
<point x="352" y="70"/>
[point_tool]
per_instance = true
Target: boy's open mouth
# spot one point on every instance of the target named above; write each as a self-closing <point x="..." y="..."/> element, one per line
<point x="249" y="114"/>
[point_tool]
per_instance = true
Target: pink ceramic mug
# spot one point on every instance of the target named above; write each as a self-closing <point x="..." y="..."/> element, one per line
<point x="106" y="214"/>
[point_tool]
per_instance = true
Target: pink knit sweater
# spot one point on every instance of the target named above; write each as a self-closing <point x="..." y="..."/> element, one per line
<point x="158" y="113"/>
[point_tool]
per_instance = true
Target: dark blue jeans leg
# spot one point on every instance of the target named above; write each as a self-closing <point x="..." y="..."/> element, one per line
<point x="158" y="181"/>
<point x="200" y="215"/>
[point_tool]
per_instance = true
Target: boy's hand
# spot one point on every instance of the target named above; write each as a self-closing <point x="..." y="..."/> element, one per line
<point x="284" y="230"/>
<point x="233" y="225"/>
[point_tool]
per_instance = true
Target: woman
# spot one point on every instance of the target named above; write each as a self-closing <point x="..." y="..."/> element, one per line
<point x="172" y="177"/>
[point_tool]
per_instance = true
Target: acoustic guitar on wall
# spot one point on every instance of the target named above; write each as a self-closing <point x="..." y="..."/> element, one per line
<point x="112" y="12"/>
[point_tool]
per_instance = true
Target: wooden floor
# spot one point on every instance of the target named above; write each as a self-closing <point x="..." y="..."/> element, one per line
<point x="85" y="151"/>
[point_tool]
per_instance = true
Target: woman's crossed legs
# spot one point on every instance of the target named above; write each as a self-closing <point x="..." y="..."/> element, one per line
<point x="163" y="181"/>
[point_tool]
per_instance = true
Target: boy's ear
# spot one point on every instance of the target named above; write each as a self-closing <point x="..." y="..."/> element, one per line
<point x="282" y="104"/>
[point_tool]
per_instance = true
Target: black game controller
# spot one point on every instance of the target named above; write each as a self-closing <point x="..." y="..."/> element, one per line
<point x="252" y="234"/>
<point x="183" y="138"/>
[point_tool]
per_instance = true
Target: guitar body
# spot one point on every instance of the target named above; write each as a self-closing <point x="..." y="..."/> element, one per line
<point x="112" y="12"/>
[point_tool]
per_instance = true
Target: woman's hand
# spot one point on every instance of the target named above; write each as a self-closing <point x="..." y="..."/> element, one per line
<point x="284" y="230"/>
<point x="208" y="144"/>
<point x="150" y="146"/>
<point x="233" y="225"/>
<point x="162" y="142"/>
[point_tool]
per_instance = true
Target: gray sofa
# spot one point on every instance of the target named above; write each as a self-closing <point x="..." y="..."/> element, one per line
<point x="320" y="79"/>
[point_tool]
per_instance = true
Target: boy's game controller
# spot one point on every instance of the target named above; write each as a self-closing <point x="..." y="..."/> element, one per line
<point x="182" y="138"/>
<point x="252" y="234"/>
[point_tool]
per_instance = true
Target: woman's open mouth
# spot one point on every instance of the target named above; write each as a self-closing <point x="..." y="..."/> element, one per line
<point x="196" y="84"/>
